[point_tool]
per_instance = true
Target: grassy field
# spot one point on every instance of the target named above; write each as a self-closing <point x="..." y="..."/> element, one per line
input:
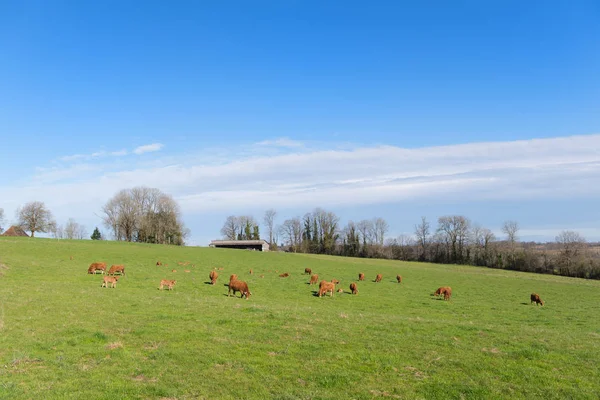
<point x="63" y="336"/>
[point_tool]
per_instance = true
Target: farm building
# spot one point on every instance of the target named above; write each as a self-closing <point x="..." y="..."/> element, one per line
<point x="260" y="245"/>
<point x="15" y="231"/>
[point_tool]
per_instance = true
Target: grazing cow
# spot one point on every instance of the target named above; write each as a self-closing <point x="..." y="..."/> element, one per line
<point x="307" y="271"/>
<point x="335" y="281"/>
<point x="314" y="279"/>
<point x="168" y="283"/>
<point x="251" y="272"/>
<point x="284" y="275"/>
<point x="325" y="287"/>
<point x="361" y="277"/>
<point x="173" y="270"/>
<point x="378" y="278"/>
<point x="353" y="288"/>
<point x="233" y="277"/>
<point x="535" y="298"/>
<point x="158" y="263"/>
<point x="446" y="291"/>
<point x="116" y="268"/>
<point x="97" y="266"/>
<point x="110" y="279"/>
<point x="239" y="286"/>
<point x="399" y="278"/>
<point x="213" y="277"/>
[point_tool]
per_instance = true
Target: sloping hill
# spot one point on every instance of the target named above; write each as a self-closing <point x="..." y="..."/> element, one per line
<point x="63" y="336"/>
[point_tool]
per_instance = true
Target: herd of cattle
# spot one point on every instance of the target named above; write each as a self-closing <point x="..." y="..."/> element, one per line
<point x="237" y="285"/>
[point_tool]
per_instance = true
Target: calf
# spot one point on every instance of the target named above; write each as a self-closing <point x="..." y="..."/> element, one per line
<point x="116" y="268"/>
<point x="325" y="287"/>
<point x="361" y="277"/>
<point x="446" y="291"/>
<point x="535" y="298"/>
<point x="307" y="271"/>
<point x="239" y="286"/>
<point x="110" y="279"/>
<point x="97" y="266"/>
<point x="378" y="278"/>
<point x="314" y="279"/>
<point x="284" y="275"/>
<point x="399" y="278"/>
<point x="353" y="288"/>
<point x="213" y="277"/>
<point x="168" y="283"/>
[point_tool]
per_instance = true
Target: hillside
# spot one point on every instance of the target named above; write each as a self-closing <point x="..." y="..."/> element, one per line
<point x="63" y="336"/>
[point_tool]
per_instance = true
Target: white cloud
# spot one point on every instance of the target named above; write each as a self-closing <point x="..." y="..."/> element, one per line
<point x="148" y="148"/>
<point x="541" y="169"/>
<point x="281" y="142"/>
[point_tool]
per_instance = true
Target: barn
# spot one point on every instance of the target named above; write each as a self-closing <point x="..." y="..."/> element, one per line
<point x="260" y="245"/>
<point x="15" y="231"/>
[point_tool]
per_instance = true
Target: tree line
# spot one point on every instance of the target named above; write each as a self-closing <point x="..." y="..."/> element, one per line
<point x="139" y="214"/>
<point x="455" y="239"/>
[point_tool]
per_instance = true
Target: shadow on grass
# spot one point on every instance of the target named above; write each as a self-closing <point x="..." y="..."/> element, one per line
<point x="526" y="304"/>
<point x="207" y="283"/>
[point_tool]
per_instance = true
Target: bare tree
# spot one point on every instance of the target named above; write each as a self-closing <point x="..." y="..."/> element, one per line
<point x="230" y="228"/>
<point x="423" y="237"/>
<point x="269" y="221"/>
<point x="291" y="231"/>
<point x="571" y="246"/>
<point x="145" y="215"/>
<point x="81" y="232"/>
<point x="34" y="217"/>
<point x="455" y="231"/>
<point x="365" y="229"/>
<point x="380" y="228"/>
<point x="1" y="220"/>
<point x="71" y="229"/>
<point x="510" y="229"/>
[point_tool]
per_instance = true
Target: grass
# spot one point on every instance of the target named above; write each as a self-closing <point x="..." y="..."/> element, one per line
<point x="63" y="336"/>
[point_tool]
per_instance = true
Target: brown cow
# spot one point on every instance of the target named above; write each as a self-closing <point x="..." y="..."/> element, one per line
<point x="340" y="290"/>
<point x="213" y="277"/>
<point x="110" y="279"/>
<point x="97" y="266"/>
<point x="173" y="270"/>
<point x="168" y="283"/>
<point x="361" y="277"/>
<point x="307" y="271"/>
<point x="325" y="287"/>
<point x="158" y="263"/>
<point x="399" y="278"/>
<point x="251" y="272"/>
<point x="378" y="278"/>
<point x="314" y="279"/>
<point x="535" y="298"/>
<point x="284" y="275"/>
<point x="353" y="288"/>
<point x="116" y="268"/>
<point x="239" y="286"/>
<point x="446" y="291"/>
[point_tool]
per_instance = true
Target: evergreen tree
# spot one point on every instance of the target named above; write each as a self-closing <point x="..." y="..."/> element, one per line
<point x="96" y="235"/>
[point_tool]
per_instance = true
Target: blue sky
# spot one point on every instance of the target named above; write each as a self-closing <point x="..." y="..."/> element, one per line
<point x="391" y="109"/>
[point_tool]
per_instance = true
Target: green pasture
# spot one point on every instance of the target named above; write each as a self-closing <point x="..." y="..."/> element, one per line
<point x="63" y="336"/>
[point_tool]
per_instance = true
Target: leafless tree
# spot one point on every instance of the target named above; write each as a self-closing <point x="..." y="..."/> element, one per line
<point x="455" y="231"/>
<point x="380" y="228"/>
<point x="365" y="229"/>
<point x="1" y="220"/>
<point x="571" y="246"/>
<point x="230" y="228"/>
<point x="291" y="231"/>
<point x="510" y="229"/>
<point x="269" y="221"/>
<point x="34" y="217"/>
<point x="71" y="229"/>
<point x="81" y="232"/>
<point x="145" y="215"/>
<point x="423" y="237"/>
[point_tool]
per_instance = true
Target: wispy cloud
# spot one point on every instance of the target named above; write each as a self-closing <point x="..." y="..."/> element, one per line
<point x="281" y="142"/>
<point x="537" y="169"/>
<point x="148" y="148"/>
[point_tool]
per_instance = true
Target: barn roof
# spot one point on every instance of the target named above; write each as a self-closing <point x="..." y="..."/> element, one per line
<point x="15" y="231"/>
<point x="238" y="242"/>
